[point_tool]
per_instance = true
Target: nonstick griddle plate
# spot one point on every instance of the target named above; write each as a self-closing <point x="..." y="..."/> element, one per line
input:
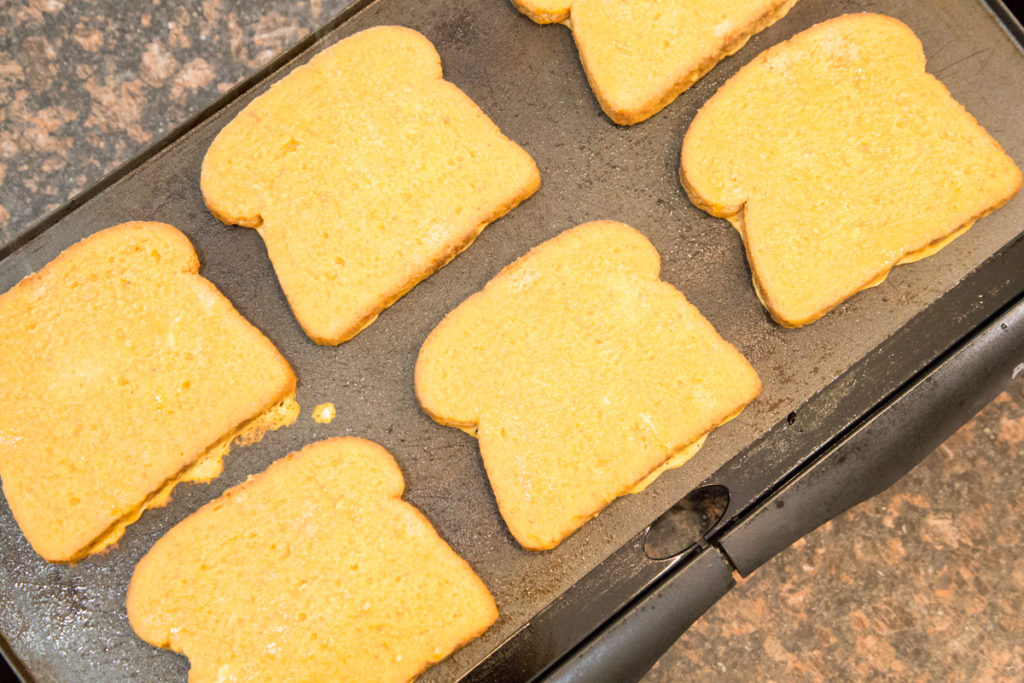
<point x="69" y="623"/>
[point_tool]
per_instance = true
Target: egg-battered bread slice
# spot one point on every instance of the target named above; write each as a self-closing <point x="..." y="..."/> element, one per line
<point x="364" y="172"/>
<point x="639" y="55"/>
<point x="121" y="369"/>
<point x="545" y="11"/>
<point x="314" y="570"/>
<point x="837" y="157"/>
<point x="581" y="374"/>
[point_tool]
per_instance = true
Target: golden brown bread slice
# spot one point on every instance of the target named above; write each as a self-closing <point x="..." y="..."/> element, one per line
<point x="581" y="373"/>
<point x="314" y="570"/>
<point x="641" y="54"/>
<point x="837" y="156"/>
<point x="364" y="172"/>
<point x="120" y="369"/>
<point x="545" y="11"/>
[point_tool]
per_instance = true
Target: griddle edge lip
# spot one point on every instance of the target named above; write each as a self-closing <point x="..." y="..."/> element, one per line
<point x="1006" y="18"/>
<point x="11" y="662"/>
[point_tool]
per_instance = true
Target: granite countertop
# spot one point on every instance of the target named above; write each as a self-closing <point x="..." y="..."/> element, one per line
<point x="925" y="581"/>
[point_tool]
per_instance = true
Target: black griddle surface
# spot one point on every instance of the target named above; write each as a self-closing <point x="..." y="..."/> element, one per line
<point x="69" y="623"/>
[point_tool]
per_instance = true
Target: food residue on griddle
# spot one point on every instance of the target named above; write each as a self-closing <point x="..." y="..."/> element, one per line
<point x="324" y="413"/>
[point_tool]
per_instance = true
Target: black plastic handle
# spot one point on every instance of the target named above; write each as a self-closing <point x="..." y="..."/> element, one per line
<point x="625" y="648"/>
<point x="11" y="670"/>
<point x="885" y="446"/>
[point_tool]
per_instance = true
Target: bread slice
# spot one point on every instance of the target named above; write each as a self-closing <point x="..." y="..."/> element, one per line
<point x="837" y="157"/>
<point x="314" y="570"/>
<point x="640" y="55"/>
<point x="121" y="369"/>
<point x="581" y="373"/>
<point x="545" y="11"/>
<point x="364" y="172"/>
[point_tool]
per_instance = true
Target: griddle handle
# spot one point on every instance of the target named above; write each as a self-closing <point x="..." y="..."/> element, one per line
<point x="886" y="445"/>
<point x="625" y="648"/>
<point x="868" y="460"/>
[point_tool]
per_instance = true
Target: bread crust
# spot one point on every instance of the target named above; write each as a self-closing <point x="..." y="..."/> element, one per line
<point x="640" y="56"/>
<point x="314" y="569"/>
<point x="364" y="172"/>
<point x="115" y="357"/>
<point x="582" y="375"/>
<point x="880" y="166"/>
<point x="545" y="11"/>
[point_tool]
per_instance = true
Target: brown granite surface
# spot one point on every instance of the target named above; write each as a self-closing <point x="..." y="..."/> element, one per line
<point x="87" y="84"/>
<point x="925" y="582"/>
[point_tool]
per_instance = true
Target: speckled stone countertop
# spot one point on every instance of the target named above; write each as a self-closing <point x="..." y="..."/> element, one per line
<point x="924" y="582"/>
